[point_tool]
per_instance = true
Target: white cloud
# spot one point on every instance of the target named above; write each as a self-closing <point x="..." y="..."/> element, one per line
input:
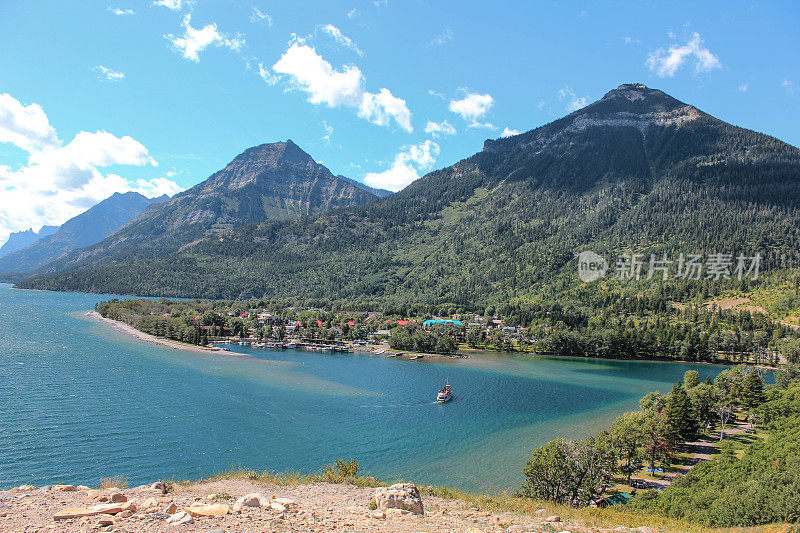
<point x="631" y="40"/>
<point x="665" y="63"/>
<point x="435" y="129"/>
<point x="446" y="35"/>
<point x="573" y="102"/>
<point x="789" y="86"/>
<point x="380" y="107"/>
<point x="120" y="11"/>
<point x="743" y="87"/>
<point x="107" y="74"/>
<point x="353" y="13"/>
<point x="260" y="16"/>
<point x="328" y="132"/>
<point x="193" y="41"/>
<point x="406" y="166"/>
<point x="381" y="3"/>
<point x="266" y="75"/>
<point x="508" y="132"/>
<point x="340" y="38"/>
<point x="24" y="126"/>
<point x="175" y="5"/>
<point x="473" y="107"/>
<point x="310" y="73"/>
<point x="61" y="180"/>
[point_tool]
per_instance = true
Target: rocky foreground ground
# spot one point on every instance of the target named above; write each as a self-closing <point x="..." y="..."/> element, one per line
<point x="236" y="505"/>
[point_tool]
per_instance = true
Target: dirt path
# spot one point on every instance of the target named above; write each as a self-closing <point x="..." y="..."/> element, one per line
<point x="702" y="450"/>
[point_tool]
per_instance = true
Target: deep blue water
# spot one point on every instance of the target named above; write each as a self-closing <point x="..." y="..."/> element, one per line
<point x="80" y="401"/>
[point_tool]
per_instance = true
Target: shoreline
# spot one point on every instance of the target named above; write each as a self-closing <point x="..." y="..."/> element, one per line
<point x="160" y="341"/>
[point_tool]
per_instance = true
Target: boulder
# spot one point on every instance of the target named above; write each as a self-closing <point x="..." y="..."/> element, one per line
<point x="182" y="517"/>
<point x="172" y="508"/>
<point x="74" y="512"/>
<point x="399" y="496"/>
<point x="149" y="504"/>
<point x="117" y="497"/>
<point x="554" y="518"/>
<point x="64" y="488"/>
<point x="114" y="508"/>
<point x="158" y="485"/>
<point x="645" y="529"/>
<point x="215" y="509"/>
<point x="275" y="506"/>
<point x="254" y="499"/>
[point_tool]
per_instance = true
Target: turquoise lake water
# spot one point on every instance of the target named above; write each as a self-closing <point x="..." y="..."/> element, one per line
<point x="80" y="401"/>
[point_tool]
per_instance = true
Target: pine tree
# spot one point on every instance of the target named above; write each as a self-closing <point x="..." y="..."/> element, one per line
<point x="682" y="416"/>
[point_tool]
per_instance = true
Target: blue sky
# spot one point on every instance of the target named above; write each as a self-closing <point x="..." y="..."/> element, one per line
<point x="156" y="96"/>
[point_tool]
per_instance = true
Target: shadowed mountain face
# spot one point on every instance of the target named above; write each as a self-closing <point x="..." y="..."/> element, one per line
<point x="91" y="226"/>
<point x="23" y="239"/>
<point x="276" y="181"/>
<point x="637" y="171"/>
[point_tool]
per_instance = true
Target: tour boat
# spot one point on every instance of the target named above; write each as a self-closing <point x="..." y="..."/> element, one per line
<point x="417" y="356"/>
<point x="445" y="393"/>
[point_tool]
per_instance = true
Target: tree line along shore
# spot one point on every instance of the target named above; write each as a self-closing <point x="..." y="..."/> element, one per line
<point x="641" y="327"/>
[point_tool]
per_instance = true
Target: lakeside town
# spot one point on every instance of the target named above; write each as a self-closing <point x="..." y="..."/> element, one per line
<point x="663" y="332"/>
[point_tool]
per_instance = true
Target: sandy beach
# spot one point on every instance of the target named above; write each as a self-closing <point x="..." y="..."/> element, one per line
<point x="130" y="330"/>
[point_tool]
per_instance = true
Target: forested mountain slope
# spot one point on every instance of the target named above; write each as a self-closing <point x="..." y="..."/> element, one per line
<point x="635" y="171"/>
<point x="275" y="181"/>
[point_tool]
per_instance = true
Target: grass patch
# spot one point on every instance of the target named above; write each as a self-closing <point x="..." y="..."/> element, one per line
<point x="120" y="482"/>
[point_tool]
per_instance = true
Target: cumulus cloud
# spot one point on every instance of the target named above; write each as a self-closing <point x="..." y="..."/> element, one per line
<point x="60" y="180"/>
<point x="307" y="71"/>
<point x="473" y="107"/>
<point x="405" y="168"/>
<point x="353" y="13"/>
<point x="446" y="35"/>
<point x="194" y="40"/>
<point x="380" y="107"/>
<point x="340" y="38"/>
<point x="435" y="129"/>
<point x="119" y="11"/>
<point x="174" y="5"/>
<point x="26" y="127"/>
<point x="107" y="74"/>
<point x="260" y="16"/>
<point x="666" y="62"/>
<point x="508" y="132"/>
<point x="572" y="101"/>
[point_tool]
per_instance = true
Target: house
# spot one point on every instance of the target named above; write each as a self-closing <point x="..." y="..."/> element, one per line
<point x="431" y="322"/>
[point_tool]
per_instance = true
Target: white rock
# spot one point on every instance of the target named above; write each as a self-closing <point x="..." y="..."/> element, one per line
<point x="399" y="496"/>
<point x="177" y="516"/>
<point x="286" y="502"/>
<point x="254" y="499"/>
<point x="275" y="506"/>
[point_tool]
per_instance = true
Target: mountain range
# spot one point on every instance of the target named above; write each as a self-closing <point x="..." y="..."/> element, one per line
<point x="637" y="171"/>
<point x="275" y="181"/>
<point x="91" y="226"/>
<point x="22" y="239"/>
